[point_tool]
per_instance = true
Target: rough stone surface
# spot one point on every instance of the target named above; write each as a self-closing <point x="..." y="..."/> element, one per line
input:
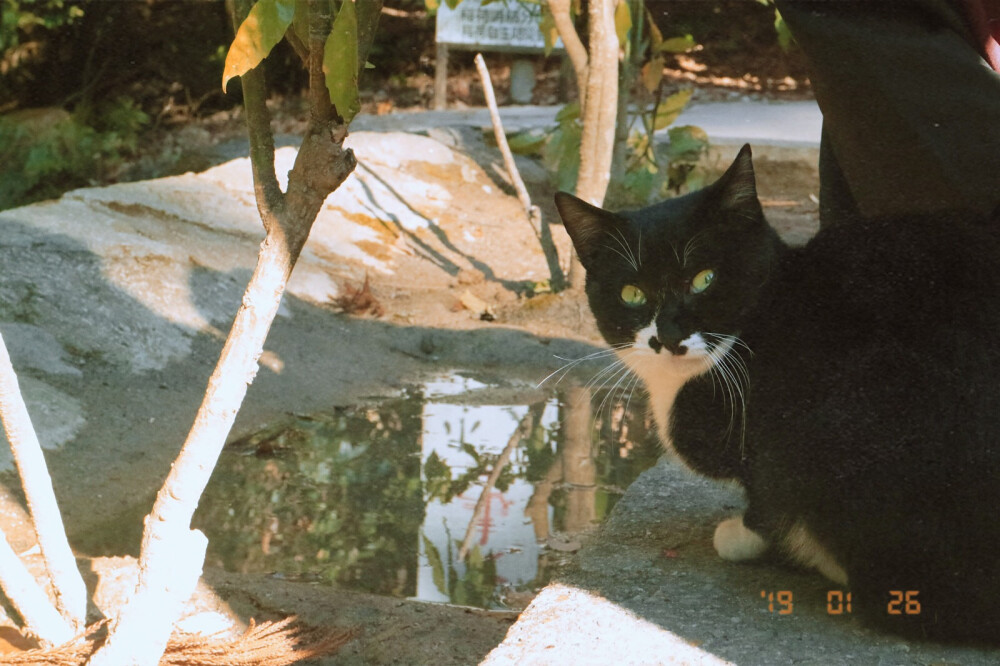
<point x="584" y="628"/>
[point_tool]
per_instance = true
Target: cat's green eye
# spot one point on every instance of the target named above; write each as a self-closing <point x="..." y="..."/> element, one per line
<point x="701" y="281"/>
<point x="633" y="296"/>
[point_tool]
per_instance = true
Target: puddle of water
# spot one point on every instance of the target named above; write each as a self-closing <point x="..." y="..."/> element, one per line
<point x="400" y="497"/>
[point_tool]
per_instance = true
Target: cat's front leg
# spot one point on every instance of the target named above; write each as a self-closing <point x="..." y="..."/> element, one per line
<point x="735" y="542"/>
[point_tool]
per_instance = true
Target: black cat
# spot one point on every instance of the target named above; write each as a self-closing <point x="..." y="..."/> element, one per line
<point x="851" y="386"/>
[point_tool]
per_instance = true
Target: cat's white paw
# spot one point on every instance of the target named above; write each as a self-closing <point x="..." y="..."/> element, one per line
<point x="735" y="543"/>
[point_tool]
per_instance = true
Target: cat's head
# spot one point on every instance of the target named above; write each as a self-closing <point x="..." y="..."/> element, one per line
<point x="676" y="279"/>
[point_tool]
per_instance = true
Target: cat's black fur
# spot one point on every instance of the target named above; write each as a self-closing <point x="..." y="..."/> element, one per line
<point x="871" y="419"/>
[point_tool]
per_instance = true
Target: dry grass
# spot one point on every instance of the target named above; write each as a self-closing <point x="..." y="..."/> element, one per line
<point x="268" y="644"/>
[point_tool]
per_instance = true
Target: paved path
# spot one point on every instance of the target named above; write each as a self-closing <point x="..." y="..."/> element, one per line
<point x="791" y="124"/>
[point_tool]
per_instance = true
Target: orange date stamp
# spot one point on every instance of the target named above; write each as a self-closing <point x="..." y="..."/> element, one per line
<point x="840" y="602"/>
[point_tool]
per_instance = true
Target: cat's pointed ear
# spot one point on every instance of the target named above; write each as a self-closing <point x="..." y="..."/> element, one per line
<point x="584" y="223"/>
<point x="738" y="186"/>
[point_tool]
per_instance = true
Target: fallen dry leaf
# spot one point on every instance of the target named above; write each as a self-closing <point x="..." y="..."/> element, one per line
<point x="359" y="300"/>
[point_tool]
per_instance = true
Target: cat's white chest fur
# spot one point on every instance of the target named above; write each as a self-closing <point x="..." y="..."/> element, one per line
<point x="663" y="373"/>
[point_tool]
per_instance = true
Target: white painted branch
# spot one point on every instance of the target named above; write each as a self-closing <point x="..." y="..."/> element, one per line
<point x="167" y="533"/>
<point x="40" y="617"/>
<point x="174" y="559"/>
<point x="574" y="47"/>
<point x="533" y="212"/>
<point x="70" y="590"/>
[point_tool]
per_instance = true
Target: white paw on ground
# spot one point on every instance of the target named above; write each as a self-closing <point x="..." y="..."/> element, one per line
<point x="735" y="543"/>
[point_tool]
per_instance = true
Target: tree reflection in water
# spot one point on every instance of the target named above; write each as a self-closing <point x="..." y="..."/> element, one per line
<point x="382" y="498"/>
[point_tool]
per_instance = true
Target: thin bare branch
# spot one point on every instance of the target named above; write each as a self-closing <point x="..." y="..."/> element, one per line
<point x="300" y="47"/>
<point x="533" y="212"/>
<point x="270" y="200"/>
<point x="523" y="430"/>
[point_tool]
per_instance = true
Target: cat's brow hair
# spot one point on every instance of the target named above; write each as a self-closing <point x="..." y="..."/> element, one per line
<point x="690" y="247"/>
<point x="628" y="255"/>
<point x="676" y="254"/>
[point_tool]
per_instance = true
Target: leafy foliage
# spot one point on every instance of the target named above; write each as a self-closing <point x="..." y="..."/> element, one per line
<point x="266" y="25"/>
<point x="650" y="170"/>
<point x="263" y="28"/>
<point x="43" y="154"/>
<point x="335" y="498"/>
<point x="20" y="16"/>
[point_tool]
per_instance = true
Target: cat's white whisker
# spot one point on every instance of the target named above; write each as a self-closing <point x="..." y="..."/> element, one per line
<point x="621" y="376"/>
<point x="635" y="383"/>
<point x="564" y="369"/>
<point x="734" y="374"/>
<point x="611" y="370"/>
<point x="621" y="240"/>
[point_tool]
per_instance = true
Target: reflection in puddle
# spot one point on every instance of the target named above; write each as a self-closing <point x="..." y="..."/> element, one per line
<point x="440" y="495"/>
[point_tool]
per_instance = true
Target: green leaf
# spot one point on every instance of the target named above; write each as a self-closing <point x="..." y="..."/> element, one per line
<point x="437" y="565"/>
<point x="432" y="6"/>
<point x="784" y="32"/>
<point x="652" y="74"/>
<point x="452" y="4"/>
<point x="677" y="44"/>
<point x="623" y="21"/>
<point x="569" y="112"/>
<point x="547" y="26"/>
<point x="670" y="108"/>
<point x="340" y="62"/>
<point x="262" y="29"/>
<point x="655" y="36"/>
<point x="687" y="143"/>
<point x="526" y="143"/>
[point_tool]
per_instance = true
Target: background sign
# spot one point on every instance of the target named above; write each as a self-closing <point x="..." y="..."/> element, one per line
<point x="498" y="26"/>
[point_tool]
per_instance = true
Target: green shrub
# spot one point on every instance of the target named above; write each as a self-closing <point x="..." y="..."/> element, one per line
<point x="47" y="152"/>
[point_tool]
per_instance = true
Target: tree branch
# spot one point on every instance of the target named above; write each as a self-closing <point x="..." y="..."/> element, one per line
<point x="321" y="166"/>
<point x="70" y="591"/>
<point x="40" y="618"/>
<point x="533" y="212"/>
<point x="574" y="47"/>
<point x="270" y="200"/>
<point x="320" y="22"/>
<point x="523" y="431"/>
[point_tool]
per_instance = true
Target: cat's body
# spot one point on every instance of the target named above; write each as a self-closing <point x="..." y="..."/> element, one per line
<point x="851" y="386"/>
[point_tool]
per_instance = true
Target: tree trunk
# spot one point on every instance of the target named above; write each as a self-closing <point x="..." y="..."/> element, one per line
<point x="598" y="140"/>
<point x="597" y="80"/>
<point x="140" y="632"/>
